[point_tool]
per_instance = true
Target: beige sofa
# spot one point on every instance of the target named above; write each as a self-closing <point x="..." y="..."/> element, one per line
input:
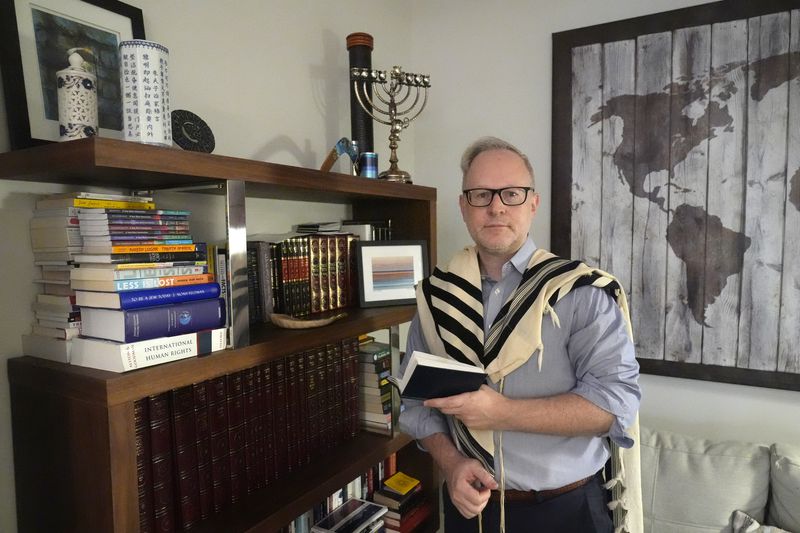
<point x="694" y="485"/>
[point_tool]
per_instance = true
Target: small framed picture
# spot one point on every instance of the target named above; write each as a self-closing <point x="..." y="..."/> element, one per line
<point x="388" y="271"/>
<point x="35" y="36"/>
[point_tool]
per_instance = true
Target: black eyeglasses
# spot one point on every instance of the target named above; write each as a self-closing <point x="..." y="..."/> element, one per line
<point x="508" y="195"/>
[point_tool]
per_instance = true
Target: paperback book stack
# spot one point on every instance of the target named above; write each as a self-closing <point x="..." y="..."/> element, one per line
<point x="375" y="391"/>
<point x="403" y="496"/>
<point x="144" y="290"/>
<point x="55" y="240"/>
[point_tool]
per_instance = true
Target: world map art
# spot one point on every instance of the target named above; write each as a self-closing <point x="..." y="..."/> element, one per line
<point x="684" y="182"/>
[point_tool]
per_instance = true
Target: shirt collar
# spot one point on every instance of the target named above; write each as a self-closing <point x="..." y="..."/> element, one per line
<point x="520" y="259"/>
<point x="523" y="255"/>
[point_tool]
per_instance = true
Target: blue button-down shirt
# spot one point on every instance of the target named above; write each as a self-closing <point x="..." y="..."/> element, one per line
<point x="590" y="355"/>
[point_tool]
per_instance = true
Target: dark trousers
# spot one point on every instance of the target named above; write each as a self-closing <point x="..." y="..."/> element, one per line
<point x="582" y="510"/>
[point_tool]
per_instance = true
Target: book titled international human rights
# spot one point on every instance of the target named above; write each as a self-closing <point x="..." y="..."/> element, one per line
<point x="430" y="376"/>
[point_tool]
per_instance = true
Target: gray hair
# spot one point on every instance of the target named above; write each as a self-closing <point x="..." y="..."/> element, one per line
<point x="485" y="144"/>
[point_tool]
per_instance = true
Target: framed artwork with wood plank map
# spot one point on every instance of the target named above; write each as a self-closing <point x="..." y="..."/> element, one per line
<point x="676" y="166"/>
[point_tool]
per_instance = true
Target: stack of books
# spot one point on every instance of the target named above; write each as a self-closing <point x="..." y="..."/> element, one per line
<point x="375" y="391"/>
<point x="407" y="507"/>
<point x="353" y="516"/>
<point x="143" y="288"/>
<point x="56" y="240"/>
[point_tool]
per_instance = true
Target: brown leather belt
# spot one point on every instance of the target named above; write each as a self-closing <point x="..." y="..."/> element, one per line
<point x="538" y="495"/>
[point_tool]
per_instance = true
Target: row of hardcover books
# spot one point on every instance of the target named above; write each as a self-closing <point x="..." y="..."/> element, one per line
<point x="300" y="275"/>
<point x="203" y="447"/>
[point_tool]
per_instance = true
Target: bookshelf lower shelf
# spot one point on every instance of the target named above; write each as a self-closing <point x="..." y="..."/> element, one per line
<point x="275" y="506"/>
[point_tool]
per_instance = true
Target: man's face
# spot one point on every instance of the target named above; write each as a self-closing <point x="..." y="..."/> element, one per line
<point x="498" y="229"/>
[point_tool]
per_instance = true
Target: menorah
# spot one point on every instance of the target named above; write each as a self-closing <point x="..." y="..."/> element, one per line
<point x="392" y="95"/>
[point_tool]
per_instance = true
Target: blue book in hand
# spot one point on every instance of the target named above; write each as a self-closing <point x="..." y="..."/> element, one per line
<point x="430" y="376"/>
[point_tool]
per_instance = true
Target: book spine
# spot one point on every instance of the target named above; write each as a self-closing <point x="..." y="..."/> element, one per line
<point x="253" y="287"/>
<point x="155" y="257"/>
<point x="252" y="429"/>
<point x="264" y="281"/>
<point x="333" y="294"/>
<point x="162" y="465"/>
<point x="167" y="295"/>
<point x="279" y="416"/>
<point x="293" y="412"/>
<point x="205" y="480"/>
<point x="342" y="260"/>
<point x="267" y="408"/>
<point x="313" y="406"/>
<point x="138" y="284"/>
<point x="145" y="265"/>
<point x="153" y="248"/>
<point x="324" y="278"/>
<point x="185" y="456"/>
<point x="94" y="203"/>
<point x="144" y="473"/>
<point x="126" y="212"/>
<point x="169" y="320"/>
<point x="216" y="392"/>
<point x="221" y="277"/>
<point x="314" y="258"/>
<point x="235" y="402"/>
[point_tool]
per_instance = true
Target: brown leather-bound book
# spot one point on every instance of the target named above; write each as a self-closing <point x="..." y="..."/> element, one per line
<point x="276" y="273"/>
<point x="324" y="280"/>
<point x="305" y="275"/>
<point x="340" y="428"/>
<point x="268" y="441"/>
<point x="216" y="392"/>
<point x="314" y="282"/>
<point x="251" y="397"/>
<point x="324" y="420"/>
<point x="280" y="427"/>
<point x="204" y="476"/>
<point x="235" y="403"/>
<point x="333" y="289"/>
<point x="292" y="413"/>
<point x="255" y="310"/>
<point x="184" y="433"/>
<point x="312" y="404"/>
<point x="331" y="409"/>
<point x="164" y="503"/>
<point x="144" y="471"/>
<point x="350" y="361"/>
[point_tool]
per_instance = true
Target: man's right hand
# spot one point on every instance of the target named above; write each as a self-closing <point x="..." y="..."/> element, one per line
<point x="469" y="485"/>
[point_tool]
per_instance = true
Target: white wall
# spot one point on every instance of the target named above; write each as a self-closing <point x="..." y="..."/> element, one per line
<point x="270" y="78"/>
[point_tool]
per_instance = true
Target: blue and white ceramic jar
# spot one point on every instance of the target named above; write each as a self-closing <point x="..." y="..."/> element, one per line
<point x="144" y="80"/>
<point x="77" y="98"/>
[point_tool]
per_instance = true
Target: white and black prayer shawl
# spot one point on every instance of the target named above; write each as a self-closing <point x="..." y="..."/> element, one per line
<point x="450" y="306"/>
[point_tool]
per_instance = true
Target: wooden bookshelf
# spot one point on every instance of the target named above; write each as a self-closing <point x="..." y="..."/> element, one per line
<point x="73" y="427"/>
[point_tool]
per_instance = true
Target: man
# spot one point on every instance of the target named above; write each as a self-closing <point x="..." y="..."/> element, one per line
<point x="525" y="450"/>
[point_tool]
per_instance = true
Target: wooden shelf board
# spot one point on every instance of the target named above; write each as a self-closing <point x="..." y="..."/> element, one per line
<point x="114" y="163"/>
<point x="267" y="342"/>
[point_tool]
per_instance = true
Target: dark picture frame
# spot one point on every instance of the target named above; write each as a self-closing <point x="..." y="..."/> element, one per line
<point x="388" y="271"/>
<point x="32" y="113"/>
<point x="640" y="178"/>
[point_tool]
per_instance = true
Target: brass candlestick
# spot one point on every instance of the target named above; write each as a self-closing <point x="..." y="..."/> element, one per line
<point x="391" y="99"/>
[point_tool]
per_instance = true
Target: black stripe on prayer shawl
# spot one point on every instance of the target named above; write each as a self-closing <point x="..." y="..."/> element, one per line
<point x="610" y="288"/>
<point x="457" y="303"/>
<point x="471" y="447"/>
<point x="527" y="275"/>
<point x="460" y="282"/>
<point x="519" y="310"/>
<point x="443" y="320"/>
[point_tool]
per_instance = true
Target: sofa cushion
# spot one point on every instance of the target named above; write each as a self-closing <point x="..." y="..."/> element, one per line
<point x="692" y="485"/>
<point x="784" y="505"/>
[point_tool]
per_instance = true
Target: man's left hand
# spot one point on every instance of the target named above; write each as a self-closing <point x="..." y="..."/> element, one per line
<point x="482" y="409"/>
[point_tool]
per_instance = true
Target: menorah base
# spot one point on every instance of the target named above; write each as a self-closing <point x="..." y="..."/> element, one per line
<point x="400" y="176"/>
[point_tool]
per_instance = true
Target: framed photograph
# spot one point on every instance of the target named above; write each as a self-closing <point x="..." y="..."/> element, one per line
<point x="34" y="39"/>
<point x="676" y="167"/>
<point x="389" y="270"/>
